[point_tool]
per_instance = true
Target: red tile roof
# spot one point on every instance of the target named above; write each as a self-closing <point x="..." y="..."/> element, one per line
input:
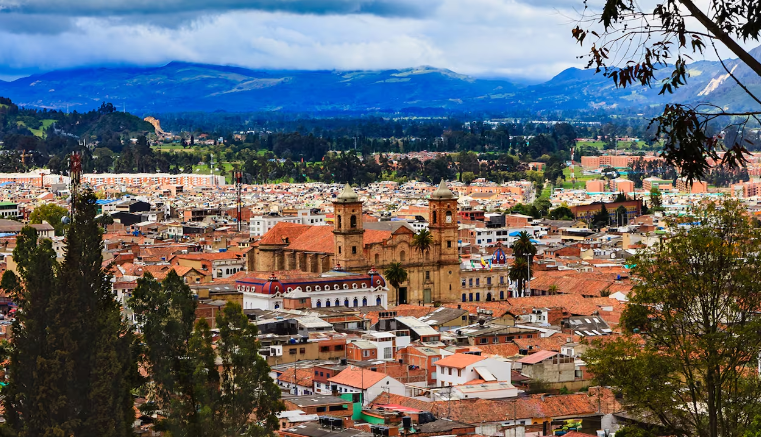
<point x="459" y="361"/>
<point x="358" y="377"/>
<point x="537" y="357"/>
<point x="303" y="377"/>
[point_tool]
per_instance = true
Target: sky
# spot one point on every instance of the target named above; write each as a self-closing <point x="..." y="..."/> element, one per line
<point x="519" y="39"/>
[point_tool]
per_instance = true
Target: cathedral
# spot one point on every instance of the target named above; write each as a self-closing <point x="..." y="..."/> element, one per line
<point x="433" y="275"/>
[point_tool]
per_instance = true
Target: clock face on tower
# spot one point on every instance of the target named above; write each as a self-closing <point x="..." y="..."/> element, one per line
<point x="449" y="219"/>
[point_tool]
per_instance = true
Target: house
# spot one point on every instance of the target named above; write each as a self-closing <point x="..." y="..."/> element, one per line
<point x="367" y="383"/>
<point x="548" y="366"/>
<point x="298" y="382"/>
<point x="323" y="405"/>
<point x="220" y="264"/>
<point x="460" y="369"/>
<point x="422" y="357"/>
<point x="445" y="319"/>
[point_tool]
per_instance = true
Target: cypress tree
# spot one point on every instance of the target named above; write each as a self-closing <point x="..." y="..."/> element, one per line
<point x="72" y="368"/>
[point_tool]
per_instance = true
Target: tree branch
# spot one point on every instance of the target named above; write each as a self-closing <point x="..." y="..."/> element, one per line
<point x="722" y="36"/>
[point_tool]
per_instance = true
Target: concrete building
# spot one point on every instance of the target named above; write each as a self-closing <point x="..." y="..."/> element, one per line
<point x="460" y="369"/>
<point x="260" y="225"/>
<point x="367" y="383"/>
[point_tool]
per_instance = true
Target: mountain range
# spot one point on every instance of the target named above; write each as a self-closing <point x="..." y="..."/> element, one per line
<point x="181" y="87"/>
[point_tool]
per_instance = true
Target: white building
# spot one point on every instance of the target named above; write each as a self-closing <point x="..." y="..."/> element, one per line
<point x="370" y="384"/>
<point x="260" y="225"/>
<point x="298" y="290"/>
<point x="459" y="369"/>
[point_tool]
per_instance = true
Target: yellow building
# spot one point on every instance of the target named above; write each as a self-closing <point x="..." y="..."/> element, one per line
<point x="433" y="275"/>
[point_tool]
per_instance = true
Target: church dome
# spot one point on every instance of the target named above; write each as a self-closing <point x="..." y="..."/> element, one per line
<point x="347" y="195"/>
<point x="442" y="192"/>
<point x="272" y="285"/>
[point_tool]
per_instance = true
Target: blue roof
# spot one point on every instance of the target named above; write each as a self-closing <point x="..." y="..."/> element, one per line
<point x="104" y="201"/>
<point x="514" y="234"/>
<point x="534" y="241"/>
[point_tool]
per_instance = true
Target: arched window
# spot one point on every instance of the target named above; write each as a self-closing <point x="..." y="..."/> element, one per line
<point x="327" y="303"/>
<point x="339" y="221"/>
<point x="338" y="303"/>
<point x="364" y="301"/>
<point x="402" y="256"/>
<point x="353" y="222"/>
<point x="356" y="302"/>
<point x="277" y="306"/>
<point x="488" y="297"/>
<point x="378" y="301"/>
<point x="318" y="304"/>
<point x="346" y="302"/>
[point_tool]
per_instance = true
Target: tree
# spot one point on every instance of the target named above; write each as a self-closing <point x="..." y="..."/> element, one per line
<point x="602" y="218"/>
<point x="73" y="369"/>
<point x="173" y="356"/>
<point x="561" y="213"/>
<point x="51" y="213"/>
<point x="523" y="249"/>
<point x="249" y="396"/>
<point x="395" y="274"/>
<point x="422" y="241"/>
<point x="656" y="202"/>
<point x="520" y="273"/>
<point x="622" y="216"/>
<point x="636" y="44"/>
<point x="689" y="354"/>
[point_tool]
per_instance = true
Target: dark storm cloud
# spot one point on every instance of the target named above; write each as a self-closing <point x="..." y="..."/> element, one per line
<point x="99" y="8"/>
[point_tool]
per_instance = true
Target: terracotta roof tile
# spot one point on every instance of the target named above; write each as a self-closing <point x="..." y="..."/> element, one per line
<point x="358" y="378"/>
<point x="303" y="377"/>
<point x="459" y="361"/>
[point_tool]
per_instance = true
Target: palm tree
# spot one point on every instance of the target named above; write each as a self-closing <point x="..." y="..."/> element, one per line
<point x="422" y="241"/>
<point x="523" y="249"/>
<point x="395" y="274"/>
<point x="520" y="274"/>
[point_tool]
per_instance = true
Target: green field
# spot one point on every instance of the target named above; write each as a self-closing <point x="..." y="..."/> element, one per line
<point x="38" y="132"/>
<point x="600" y="145"/>
<point x="172" y="148"/>
<point x="581" y="178"/>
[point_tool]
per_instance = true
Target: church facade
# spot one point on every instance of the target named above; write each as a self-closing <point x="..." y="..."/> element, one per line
<point x="433" y="275"/>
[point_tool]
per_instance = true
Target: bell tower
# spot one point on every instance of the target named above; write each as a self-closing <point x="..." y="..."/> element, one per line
<point x="442" y="222"/>
<point x="348" y="231"/>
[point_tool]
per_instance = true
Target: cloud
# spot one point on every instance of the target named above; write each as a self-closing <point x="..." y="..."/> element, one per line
<point x="477" y="37"/>
<point x="100" y="8"/>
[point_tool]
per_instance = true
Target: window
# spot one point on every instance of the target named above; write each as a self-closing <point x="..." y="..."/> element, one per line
<point x="318" y="304"/>
<point x="353" y="222"/>
<point x="459" y="372"/>
<point x="339" y="249"/>
<point x="292" y="351"/>
<point x="470" y="282"/>
<point x="427" y="275"/>
<point x="324" y="349"/>
<point x="302" y="350"/>
<point x="483" y="341"/>
<point x="346" y="302"/>
<point x="478" y="282"/>
<point x="478" y="297"/>
<point x="450" y="370"/>
<point x="495" y="340"/>
<point x="402" y="256"/>
<point x="353" y="250"/>
<point x="356" y="302"/>
<point x="365" y="353"/>
<point x="463" y="282"/>
<point x="327" y="304"/>
<point x="377" y="259"/>
<point x="449" y="244"/>
<point x="434" y="218"/>
<point x="470" y="297"/>
<point x="338" y="303"/>
<point x="378" y="301"/>
<point x="364" y="301"/>
<point x="338" y="347"/>
<point x="488" y="280"/>
<point x="339" y="222"/>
